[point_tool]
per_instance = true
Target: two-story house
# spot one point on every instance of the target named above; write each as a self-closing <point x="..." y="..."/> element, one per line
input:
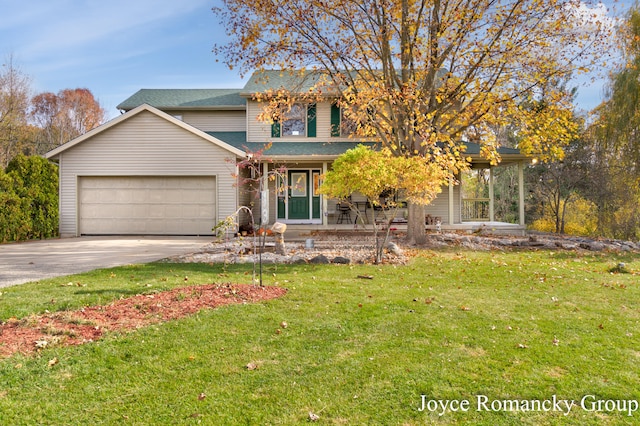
<point x="169" y="165"/>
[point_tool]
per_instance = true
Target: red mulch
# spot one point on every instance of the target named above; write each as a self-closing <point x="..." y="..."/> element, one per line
<point x="35" y="332"/>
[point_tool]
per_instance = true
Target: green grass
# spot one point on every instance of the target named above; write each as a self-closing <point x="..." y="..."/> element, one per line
<point x="450" y="325"/>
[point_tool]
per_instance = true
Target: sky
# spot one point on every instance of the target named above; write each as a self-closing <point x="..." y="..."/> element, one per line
<point x="116" y="47"/>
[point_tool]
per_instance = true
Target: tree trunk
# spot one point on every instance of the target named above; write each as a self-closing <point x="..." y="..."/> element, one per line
<point x="415" y="225"/>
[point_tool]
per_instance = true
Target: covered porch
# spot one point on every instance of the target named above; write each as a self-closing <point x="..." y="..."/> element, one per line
<point x="293" y="199"/>
<point x="291" y="178"/>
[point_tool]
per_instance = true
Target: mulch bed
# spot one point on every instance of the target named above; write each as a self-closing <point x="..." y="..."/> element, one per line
<point x="36" y="332"/>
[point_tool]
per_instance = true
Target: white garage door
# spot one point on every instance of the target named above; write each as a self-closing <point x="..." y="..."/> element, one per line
<point x="149" y="205"/>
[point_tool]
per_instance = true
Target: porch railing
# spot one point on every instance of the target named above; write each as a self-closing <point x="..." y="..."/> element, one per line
<point x="475" y="209"/>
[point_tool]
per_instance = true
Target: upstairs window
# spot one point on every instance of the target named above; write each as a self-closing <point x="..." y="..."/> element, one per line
<point x="299" y="121"/>
<point x="341" y="125"/>
<point x="295" y="121"/>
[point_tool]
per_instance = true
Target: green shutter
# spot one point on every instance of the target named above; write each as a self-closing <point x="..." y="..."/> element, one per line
<point x="335" y="120"/>
<point x="275" y="129"/>
<point x="311" y="121"/>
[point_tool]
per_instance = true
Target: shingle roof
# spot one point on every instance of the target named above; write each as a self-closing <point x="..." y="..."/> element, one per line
<point x="185" y="99"/>
<point x="302" y="81"/>
<point x="326" y="149"/>
<point x="286" y="148"/>
<point x="293" y="80"/>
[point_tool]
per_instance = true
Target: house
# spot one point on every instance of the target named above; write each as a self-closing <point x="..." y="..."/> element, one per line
<point x="169" y="166"/>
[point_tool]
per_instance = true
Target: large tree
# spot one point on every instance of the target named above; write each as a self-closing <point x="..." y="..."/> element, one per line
<point x="419" y="76"/>
<point x="64" y="116"/>
<point x="615" y="135"/>
<point x="15" y="93"/>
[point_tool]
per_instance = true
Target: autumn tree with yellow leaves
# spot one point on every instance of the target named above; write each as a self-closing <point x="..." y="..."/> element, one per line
<point x="420" y="77"/>
<point x="615" y="141"/>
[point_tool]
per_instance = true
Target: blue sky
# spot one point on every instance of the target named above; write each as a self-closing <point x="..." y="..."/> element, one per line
<point x="115" y="47"/>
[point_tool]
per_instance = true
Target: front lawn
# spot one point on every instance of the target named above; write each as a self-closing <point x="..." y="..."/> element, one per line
<point x="502" y="331"/>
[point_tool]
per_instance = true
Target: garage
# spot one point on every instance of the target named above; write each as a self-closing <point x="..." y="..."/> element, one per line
<point x="147" y="205"/>
<point x="145" y="173"/>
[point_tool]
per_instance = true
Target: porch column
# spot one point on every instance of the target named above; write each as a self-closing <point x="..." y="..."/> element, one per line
<point x="264" y="196"/>
<point x="323" y="204"/>
<point x="491" y="196"/>
<point x="521" y="191"/>
<point x="451" y="202"/>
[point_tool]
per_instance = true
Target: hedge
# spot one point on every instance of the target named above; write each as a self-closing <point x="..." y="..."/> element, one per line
<point x="29" y="196"/>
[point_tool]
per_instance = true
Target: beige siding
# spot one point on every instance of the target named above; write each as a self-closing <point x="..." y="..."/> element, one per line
<point x="257" y="131"/>
<point x="144" y="145"/>
<point x="247" y="197"/>
<point x="440" y="206"/>
<point x="214" y="121"/>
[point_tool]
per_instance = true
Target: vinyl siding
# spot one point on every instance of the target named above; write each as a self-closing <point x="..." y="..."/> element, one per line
<point x="257" y="131"/>
<point x="214" y="121"/>
<point x="440" y="206"/>
<point x="144" y="145"/>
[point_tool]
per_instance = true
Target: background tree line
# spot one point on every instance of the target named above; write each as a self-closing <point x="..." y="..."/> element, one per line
<point x="594" y="187"/>
<point x="32" y="124"/>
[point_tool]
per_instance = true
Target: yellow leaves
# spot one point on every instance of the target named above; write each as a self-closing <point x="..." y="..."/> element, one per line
<point x="545" y="127"/>
<point x="372" y="172"/>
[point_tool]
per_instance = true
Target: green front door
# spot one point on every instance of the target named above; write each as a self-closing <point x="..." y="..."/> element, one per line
<point x="298" y="195"/>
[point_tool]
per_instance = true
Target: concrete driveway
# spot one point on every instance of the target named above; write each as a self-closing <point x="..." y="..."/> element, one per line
<point x="36" y="260"/>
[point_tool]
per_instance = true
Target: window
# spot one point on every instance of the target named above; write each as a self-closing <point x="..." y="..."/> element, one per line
<point x="298" y="184"/>
<point x="341" y="125"/>
<point x="295" y="121"/>
<point x="299" y="121"/>
<point x="348" y="127"/>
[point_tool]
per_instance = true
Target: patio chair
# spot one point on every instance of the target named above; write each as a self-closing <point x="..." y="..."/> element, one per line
<point x="344" y="212"/>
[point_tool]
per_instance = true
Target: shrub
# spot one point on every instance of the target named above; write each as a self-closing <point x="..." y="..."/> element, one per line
<point x="543" y="225"/>
<point x="580" y="218"/>
<point x="29" y="193"/>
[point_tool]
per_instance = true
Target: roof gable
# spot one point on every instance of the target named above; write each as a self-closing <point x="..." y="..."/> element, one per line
<point x="124" y="117"/>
